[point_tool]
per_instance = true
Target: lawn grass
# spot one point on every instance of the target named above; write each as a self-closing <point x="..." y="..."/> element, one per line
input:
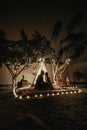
<point x="63" y="112"/>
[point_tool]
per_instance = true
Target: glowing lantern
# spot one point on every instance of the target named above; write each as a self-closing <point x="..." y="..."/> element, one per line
<point x="28" y="97"/>
<point x="52" y="94"/>
<point x="20" y="97"/>
<point x="48" y="94"/>
<point x="35" y="95"/>
<point x="57" y="93"/>
<point x="34" y="70"/>
<point x="41" y="95"/>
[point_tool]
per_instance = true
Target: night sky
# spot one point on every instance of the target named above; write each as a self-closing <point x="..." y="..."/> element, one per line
<point x="40" y="15"/>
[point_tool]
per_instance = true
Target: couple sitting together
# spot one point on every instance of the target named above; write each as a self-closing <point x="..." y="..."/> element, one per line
<point x="41" y="84"/>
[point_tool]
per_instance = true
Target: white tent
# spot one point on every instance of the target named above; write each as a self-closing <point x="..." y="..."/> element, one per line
<point x="41" y="66"/>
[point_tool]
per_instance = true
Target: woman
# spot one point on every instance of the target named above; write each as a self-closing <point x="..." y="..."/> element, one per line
<point x="48" y="82"/>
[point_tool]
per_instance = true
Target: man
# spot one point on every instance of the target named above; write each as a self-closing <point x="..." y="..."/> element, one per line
<point x="40" y="81"/>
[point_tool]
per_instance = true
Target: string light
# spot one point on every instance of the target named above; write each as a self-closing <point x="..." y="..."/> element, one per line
<point x="70" y="91"/>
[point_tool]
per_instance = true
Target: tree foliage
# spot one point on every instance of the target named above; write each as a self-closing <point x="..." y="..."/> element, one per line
<point x="72" y="44"/>
<point x="56" y="30"/>
<point x="24" y="52"/>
